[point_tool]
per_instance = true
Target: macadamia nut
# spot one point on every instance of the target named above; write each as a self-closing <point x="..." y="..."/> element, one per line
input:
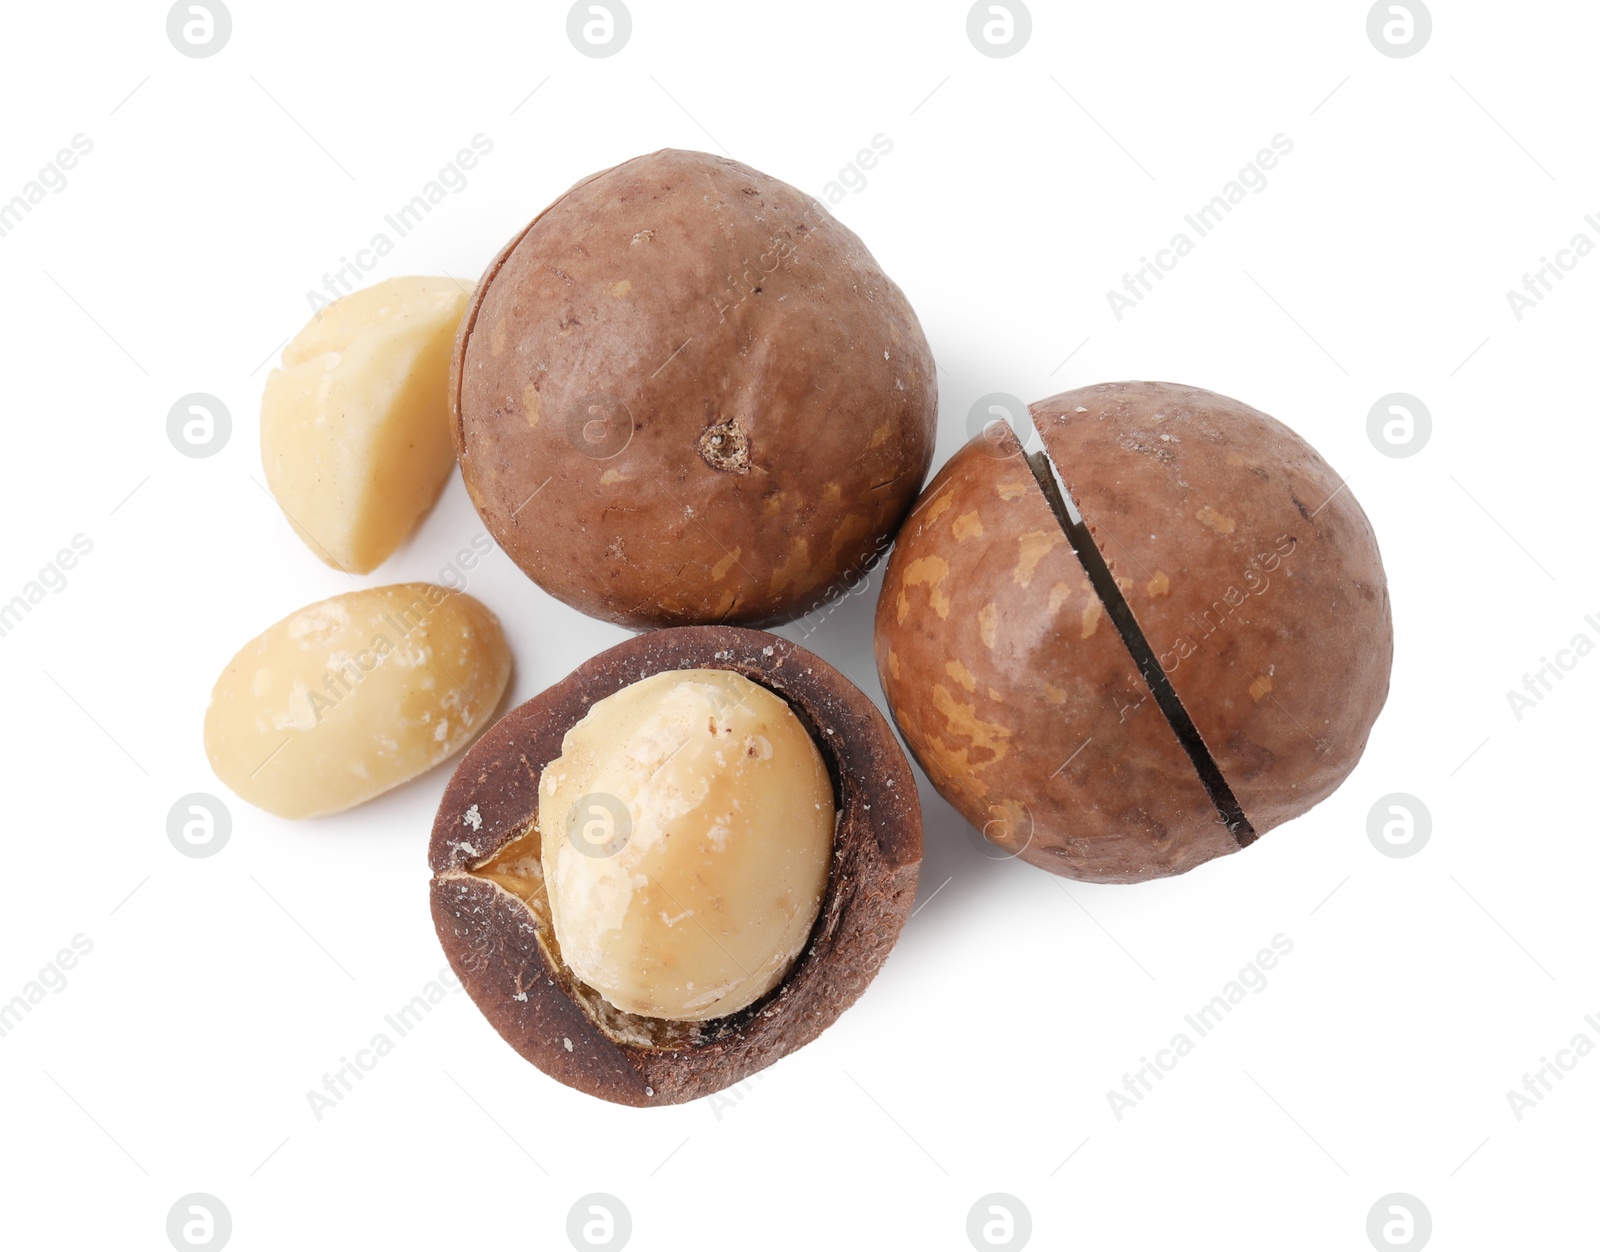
<point x="352" y="696"/>
<point x="355" y="426"/>
<point x="1143" y="647"/>
<point x="492" y="909"/>
<point x="686" y="833"/>
<point x="686" y="393"/>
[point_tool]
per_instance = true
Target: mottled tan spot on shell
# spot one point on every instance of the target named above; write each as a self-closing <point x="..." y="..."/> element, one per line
<point x="1235" y="459"/>
<point x="621" y="288"/>
<point x="1055" y="694"/>
<point x="894" y="664"/>
<point x="1012" y="489"/>
<point x="1222" y="525"/>
<point x="1260" y="688"/>
<point x="961" y="674"/>
<point x="773" y="505"/>
<point x="497" y="339"/>
<point x="1159" y="585"/>
<point x="794" y="565"/>
<point x="937" y="509"/>
<point x="929" y="572"/>
<point x="1031" y="548"/>
<point x="988" y="624"/>
<point x="1091" y="618"/>
<point x="963" y="722"/>
<point x="832" y="493"/>
<point x="950" y="770"/>
<point x="610" y="476"/>
<point x="849" y="533"/>
<point x="719" y="571"/>
<point x="1058" y="596"/>
<point x="969" y="525"/>
<point x="530" y="404"/>
<point x="994" y="694"/>
<point x="879" y="435"/>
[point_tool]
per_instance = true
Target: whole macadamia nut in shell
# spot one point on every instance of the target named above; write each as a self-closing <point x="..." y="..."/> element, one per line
<point x="1195" y="657"/>
<point x="685" y="393"/>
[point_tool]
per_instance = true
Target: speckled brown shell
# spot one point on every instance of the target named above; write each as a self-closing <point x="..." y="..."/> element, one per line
<point x="493" y="940"/>
<point x="1252" y="571"/>
<point x="685" y="393"/>
<point x="1016" y="694"/>
<point x="1255" y="579"/>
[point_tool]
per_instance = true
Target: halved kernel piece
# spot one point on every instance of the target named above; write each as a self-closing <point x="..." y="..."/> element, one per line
<point x="355" y="426"/>
<point x="352" y="696"/>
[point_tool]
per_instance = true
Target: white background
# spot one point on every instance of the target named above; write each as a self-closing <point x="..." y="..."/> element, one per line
<point x="1419" y="991"/>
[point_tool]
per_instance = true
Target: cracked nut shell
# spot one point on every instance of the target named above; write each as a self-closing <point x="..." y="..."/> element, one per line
<point x="686" y="393"/>
<point x="1253" y="578"/>
<point x="497" y="932"/>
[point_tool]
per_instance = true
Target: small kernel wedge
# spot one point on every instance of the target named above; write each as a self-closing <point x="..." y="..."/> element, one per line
<point x="355" y="425"/>
<point x="352" y="696"/>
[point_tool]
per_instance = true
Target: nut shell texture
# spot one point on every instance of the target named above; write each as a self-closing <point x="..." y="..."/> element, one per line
<point x="1282" y="663"/>
<point x="504" y="950"/>
<point x="1015" y="692"/>
<point x="1250" y="572"/>
<point x="685" y="393"/>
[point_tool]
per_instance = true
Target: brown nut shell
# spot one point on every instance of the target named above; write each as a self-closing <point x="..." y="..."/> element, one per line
<point x="1016" y="694"/>
<point x="504" y="949"/>
<point x="686" y="393"/>
<point x="1207" y="664"/>
<point x="1252" y="571"/>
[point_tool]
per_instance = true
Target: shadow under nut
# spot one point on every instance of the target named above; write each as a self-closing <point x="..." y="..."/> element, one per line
<point x="506" y="956"/>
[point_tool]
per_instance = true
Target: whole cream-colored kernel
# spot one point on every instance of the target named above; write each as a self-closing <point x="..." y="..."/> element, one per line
<point x="728" y="818"/>
<point x="352" y="696"/>
<point x="355" y="426"/>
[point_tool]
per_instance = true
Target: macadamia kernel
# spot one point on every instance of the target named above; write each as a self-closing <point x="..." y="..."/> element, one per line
<point x="353" y="696"/>
<point x="355" y="425"/>
<point x="686" y="836"/>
